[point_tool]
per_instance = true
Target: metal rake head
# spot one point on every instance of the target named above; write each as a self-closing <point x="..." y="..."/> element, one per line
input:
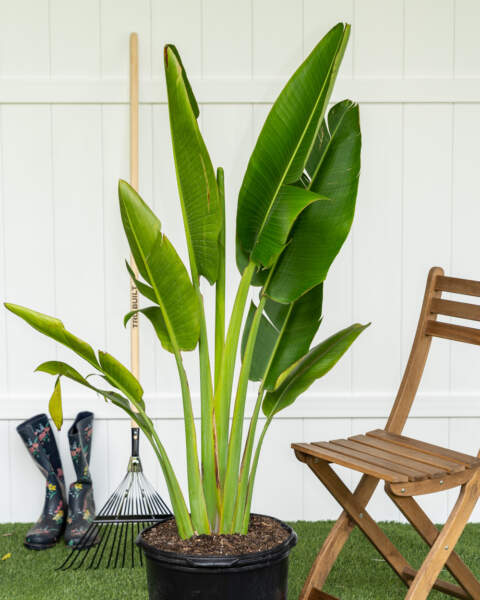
<point x="109" y="541"/>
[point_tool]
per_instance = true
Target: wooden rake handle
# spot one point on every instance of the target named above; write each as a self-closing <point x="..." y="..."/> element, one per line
<point x="134" y="332"/>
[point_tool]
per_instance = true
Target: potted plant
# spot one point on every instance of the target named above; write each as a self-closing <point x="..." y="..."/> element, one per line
<point x="295" y="209"/>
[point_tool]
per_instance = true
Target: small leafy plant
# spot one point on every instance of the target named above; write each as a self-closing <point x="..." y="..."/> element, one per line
<point x="295" y="209"/>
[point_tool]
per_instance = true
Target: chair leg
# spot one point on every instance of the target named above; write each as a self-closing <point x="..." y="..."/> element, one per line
<point x="335" y="541"/>
<point x="427" y="530"/>
<point x="445" y="542"/>
<point x="355" y="509"/>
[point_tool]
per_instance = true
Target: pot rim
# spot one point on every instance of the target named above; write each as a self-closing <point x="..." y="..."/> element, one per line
<point x="278" y="552"/>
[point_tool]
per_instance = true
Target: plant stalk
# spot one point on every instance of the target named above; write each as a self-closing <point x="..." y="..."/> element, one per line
<point x="221" y="282"/>
<point x="225" y="380"/>
<point x="235" y="442"/>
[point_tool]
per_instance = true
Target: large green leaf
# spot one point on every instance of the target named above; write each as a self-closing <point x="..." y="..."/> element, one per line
<point x="55" y="329"/>
<point x="321" y="229"/>
<point x="272" y="237"/>
<point x="287" y="330"/>
<point x="162" y="269"/>
<point x="195" y="175"/>
<point x="300" y="376"/>
<point x="288" y="134"/>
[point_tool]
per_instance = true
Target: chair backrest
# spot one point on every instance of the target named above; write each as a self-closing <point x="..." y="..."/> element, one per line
<point x="428" y="327"/>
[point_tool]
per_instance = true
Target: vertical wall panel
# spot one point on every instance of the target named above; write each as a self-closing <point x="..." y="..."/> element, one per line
<point x="5" y="469"/>
<point x="24" y="42"/>
<point x="427" y="222"/>
<point x="179" y="23"/>
<point x="119" y="18"/>
<point x="279" y="484"/>
<point x="272" y="56"/>
<point x="78" y="197"/>
<point x="466" y="242"/>
<point x="467" y="48"/>
<point x="115" y="148"/>
<point x="3" y="291"/>
<point x="378" y="24"/>
<point x="29" y="239"/>
<point x="75" y="38"/>
<point x="379" y="253"/>
<point x="320" y="17"/>
<point x="100" y="461"/>
<point x="227" y="24"/>
<point x="429" y="48"/>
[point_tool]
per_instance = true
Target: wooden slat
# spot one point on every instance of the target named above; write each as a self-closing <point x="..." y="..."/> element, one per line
<point x="462" y="310"/>
<point x="431" y="486"/>
<point x="351" y="463"/>
<point x="457" y="333"/>
<point x="443" y="466"/>
<point x="397" y="462"/>
<point x="455" y="285"/>
<point x="442" y="586"/>
<point x="371" y="458"/>
<point x="425" y="447"/>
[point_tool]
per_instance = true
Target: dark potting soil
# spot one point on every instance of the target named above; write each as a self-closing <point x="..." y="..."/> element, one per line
<point x="264" y="533"/>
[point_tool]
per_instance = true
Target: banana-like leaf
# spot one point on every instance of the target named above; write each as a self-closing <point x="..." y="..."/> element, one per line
<point x="287" y="330"/>
<point x="273" y="234"/>
<point x="196" y="180"/>
<point x="162" y="268"/>
<point x="55" y="405"/>
<point x="300" y="376"/>
<point x="55" y="329"/>
<point x="154" y="315"/>
<point x="321" y="229"/>
<point x="283" y="146"/>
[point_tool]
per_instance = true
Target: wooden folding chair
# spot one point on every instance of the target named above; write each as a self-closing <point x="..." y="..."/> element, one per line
<point x="408" y="467"/>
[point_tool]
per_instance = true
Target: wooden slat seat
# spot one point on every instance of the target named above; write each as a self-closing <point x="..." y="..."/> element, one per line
<point x="393" y="458"/>
<point x="409" y="467"/>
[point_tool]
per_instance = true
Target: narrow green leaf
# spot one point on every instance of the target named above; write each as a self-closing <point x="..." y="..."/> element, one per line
<point x="55" y="329"/>
<point x="289" y="131"/>
<point x="266" y="337"/>
<point x="188" y="87"/>
<point x="121" y="377"/>
<point x="195" y="175"/>
<point x="55" y="405"/>
<point x="163" y="270"/>
<point x="322" y="228"/>
<point x="300" y="376"/>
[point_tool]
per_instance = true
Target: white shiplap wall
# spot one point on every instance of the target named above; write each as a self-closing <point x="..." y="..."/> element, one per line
<point x="414" y="65"/>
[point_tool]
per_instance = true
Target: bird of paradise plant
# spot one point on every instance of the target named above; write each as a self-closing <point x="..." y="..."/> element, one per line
<point x="295" y="209"/>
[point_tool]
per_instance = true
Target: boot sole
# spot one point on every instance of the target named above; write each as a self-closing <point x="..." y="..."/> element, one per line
<point x="39" y="546"/>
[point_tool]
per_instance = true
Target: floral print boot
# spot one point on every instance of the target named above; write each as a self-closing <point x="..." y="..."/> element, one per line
<point x="37" y="436"/>
<point x="81" y="506"/>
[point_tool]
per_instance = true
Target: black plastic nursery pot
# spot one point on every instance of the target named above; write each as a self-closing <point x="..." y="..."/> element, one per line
<point x="256" y="576"/>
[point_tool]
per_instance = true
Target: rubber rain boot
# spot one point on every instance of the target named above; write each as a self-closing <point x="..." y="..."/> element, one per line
<point x="37" y="435"/>
<point x="81" y="505"/>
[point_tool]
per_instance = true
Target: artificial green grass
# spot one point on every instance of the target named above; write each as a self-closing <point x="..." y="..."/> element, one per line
<point x="359" y="574"/>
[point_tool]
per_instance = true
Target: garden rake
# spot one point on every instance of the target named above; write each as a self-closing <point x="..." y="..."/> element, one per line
<point x="134" y="505"/>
